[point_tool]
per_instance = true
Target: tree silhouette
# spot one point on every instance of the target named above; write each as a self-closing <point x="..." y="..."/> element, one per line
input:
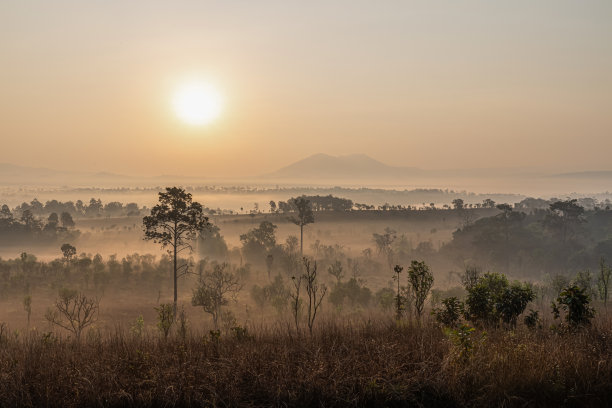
<point x="174" y="223"/>
<point x="304" y="217"/>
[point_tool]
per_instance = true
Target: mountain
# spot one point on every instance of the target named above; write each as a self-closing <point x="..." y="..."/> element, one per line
<point x="355" y="166"/>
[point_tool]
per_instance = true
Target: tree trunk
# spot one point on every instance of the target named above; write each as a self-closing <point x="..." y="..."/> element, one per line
<point x="302" y="240"/>
<point x="175" y="282"/>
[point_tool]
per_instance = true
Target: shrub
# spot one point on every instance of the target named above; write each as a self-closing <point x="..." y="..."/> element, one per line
<point x="493" y="299"/>
<point x="575" y="303"/>
<point x="165" y="318"/>
<point x="450" y="312"/>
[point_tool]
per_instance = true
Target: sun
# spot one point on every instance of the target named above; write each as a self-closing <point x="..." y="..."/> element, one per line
<point x="197" y="103"/>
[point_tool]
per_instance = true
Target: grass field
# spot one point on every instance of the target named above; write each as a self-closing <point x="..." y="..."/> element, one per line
<point x="374" y="362"/>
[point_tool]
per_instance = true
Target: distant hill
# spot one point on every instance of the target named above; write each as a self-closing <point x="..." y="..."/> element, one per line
<point x="599" y="175"/>
<point x="355" y="166"/>
<point x="11" y="174"/>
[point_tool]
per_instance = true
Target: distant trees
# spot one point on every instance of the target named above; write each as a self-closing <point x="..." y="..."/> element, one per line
<point x="488" y="203"/>
<point x="458" y="204"/>
<point x="68" y="251"/>
<point x="384" y="243"/>
<point x="259" y="242"/>
<point x="211" y="243"/>
<point x="564" y="217"/>
<point x="174" y="223"/>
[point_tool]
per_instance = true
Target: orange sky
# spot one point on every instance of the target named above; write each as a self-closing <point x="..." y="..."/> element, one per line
<point x="432" y="84"/>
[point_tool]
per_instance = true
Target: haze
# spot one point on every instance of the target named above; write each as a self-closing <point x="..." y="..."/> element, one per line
<point x="435" y="85"/>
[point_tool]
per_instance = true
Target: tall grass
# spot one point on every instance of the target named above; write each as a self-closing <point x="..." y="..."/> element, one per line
<point x="342" y="364"/>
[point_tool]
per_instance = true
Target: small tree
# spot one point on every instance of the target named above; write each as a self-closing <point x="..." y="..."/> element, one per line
<point x="27" y="306"/>
<point x="450" y="313"/>
<point x="470" y="277"/>
<point x="421" y="280"/>
<point x="603" y="281"/>
<point x="69" y="252"/>
<point x="215" y="289"/>
<point x="269" y="264"/>
<point x="304" y="217"/>
<point x="493" y="299"/>
<point x="66" y="220"/>
<point x="314" y="290"/>
<point x="165" y="318"/>
<point x="513" y="302"/>
<point x="174" y="223"/>
<point x="73" y="312"/>
<point x="398" y="297"/>
<point x="336" y="271"/>
<point x="575" y="302"/>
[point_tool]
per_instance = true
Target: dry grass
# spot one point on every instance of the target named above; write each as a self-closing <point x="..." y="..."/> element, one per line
<point x="342" y="364"/>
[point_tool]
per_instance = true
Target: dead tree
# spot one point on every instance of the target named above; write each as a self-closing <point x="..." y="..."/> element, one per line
<point x="314" y="290"/>
<point x="74" y="312"/>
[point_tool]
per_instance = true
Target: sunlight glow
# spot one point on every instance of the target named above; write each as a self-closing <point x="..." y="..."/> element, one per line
<point x="197" y="103"/>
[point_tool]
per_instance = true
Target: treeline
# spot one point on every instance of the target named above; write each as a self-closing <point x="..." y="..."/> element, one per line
<point x="78" y="209"/>
<point x="85" y="271"/>
<point x="35" y="230"/>
<point x="563" y="238"/>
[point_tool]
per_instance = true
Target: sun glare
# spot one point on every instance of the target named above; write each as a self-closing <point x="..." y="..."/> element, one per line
<point x="197" y="103"/>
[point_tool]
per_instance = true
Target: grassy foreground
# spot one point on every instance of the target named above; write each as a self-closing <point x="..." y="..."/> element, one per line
<point x="357" y="364"/>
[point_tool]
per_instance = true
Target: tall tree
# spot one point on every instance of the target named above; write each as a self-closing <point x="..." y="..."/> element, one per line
<point x="174" y="223"/>
<point x="304" y="217"/>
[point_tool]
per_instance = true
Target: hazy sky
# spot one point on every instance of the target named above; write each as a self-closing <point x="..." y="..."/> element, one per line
<point x="434" y="84"/>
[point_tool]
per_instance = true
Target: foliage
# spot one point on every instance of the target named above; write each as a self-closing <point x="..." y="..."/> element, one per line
<point x="450" y="313"/>
<point x="258" y="242"/>
<point x="493" y="299"/>
<point x="211" y="243"/>
<point x="165" y="318"/>
<point x="351" y="292"/>
<point x="275" y="294"/>
<point x="574" y="301"/>
<point x="304" y="217"/>
<point x="137" y="326"/>
<point x="385" y="298"/>
<point x="174" y="223"/>
<point x="532" y="319"/>
<point x="421" y="280"/>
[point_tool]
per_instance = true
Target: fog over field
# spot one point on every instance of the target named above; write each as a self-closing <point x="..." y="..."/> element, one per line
<point x="339" y="203"/>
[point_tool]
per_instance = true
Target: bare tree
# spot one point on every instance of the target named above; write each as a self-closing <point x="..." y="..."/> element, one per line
<point x="315" y="290"/>
<point x="215" y="289"/>
<point x="175" y="223"/>
<point x="73" y="312"/>
<point x="296" y="302"/>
